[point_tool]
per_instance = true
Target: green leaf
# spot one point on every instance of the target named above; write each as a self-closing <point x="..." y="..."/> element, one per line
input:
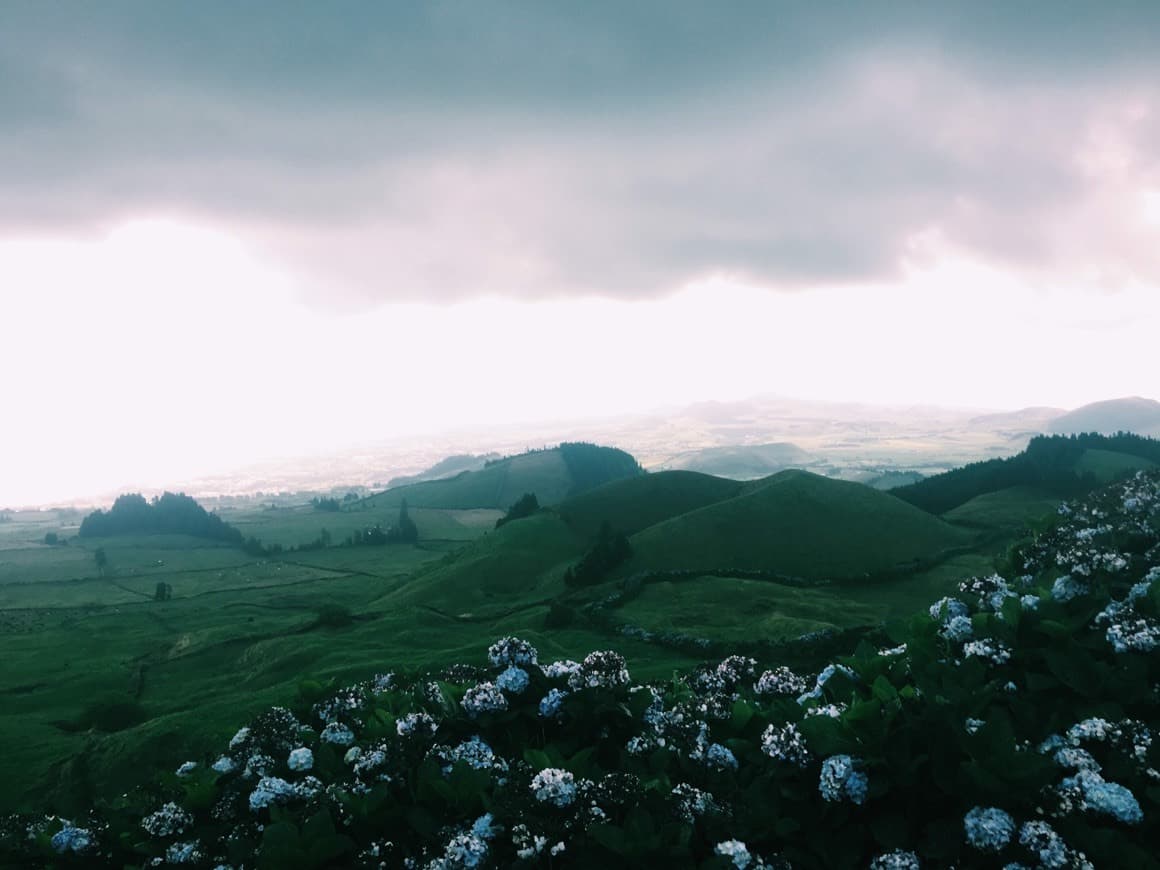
<point x="884" y="690"/>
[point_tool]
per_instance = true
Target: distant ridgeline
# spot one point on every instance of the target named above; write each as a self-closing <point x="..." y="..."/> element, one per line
<point x="169" y="514"/>
<point x="1061" y="465"/>
<point x="588" y="464"/>
<point x="552" y="474"/>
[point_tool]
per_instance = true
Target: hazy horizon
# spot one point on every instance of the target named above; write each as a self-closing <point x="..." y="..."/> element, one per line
<point x="227" y="235"/>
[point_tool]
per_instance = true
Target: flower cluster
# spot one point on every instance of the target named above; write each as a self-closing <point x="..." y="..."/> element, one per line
<point x="841" y="779"/>
<point x="512" y="651"/>
<point x="419" y="724"/>
<point x="167" y="821"/>
<point x="780" y="681"/>
<point x="785" y="743"/>
<point x="555" y="786"/>
<point x="484" y="698"/>
<point x="514" y="680"/>
<point x="552" y="704"/>
<point x="603" y="669"/>
<point x="988" y="829"/>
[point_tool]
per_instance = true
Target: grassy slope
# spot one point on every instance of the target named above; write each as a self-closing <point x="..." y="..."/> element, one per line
<point x="800" y="524"/>
<point x="636" y="503"/>
<point x="729" y="609"/>
<point x="510" y="567"/>
<point x="1107" y="465"/>
<point x="1012" y="507"/>
<point x="496" y="486"/>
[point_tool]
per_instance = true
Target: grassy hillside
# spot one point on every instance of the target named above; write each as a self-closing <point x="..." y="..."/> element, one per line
<point x="552" y="475"/>
<point x="636" y="503"/>
<point x="1013" y="507"/>
<point x="733" y="609"/>
<point x="1064" y="466"/>
<point x="800" y="524"/>
<point x="508" y="568"/>
<point x="1108" y="465"/>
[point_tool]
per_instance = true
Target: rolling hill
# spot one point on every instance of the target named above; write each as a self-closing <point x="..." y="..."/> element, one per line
<point x="1133" y="414"/>
<point x="636" y="503"/>
<point x="552" y="475"/>
<point x="800" y="524"/>
<point x="743" y="461"/>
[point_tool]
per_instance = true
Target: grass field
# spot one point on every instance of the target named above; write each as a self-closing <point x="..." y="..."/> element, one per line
<point x="1108" y="465"/>
<point x="1014" y="506"/>
<point x="240" y="633"/>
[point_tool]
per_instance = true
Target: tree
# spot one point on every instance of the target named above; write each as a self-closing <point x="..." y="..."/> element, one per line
<point x="51" y="538"/>
<point x="525" y="506"/>
<point x="163" y="592"/>
<point x="408" y="531"/>
<point x="102" y="560"/>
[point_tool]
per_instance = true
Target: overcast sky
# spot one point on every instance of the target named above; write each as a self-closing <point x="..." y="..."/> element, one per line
<point x="235" y="229"/>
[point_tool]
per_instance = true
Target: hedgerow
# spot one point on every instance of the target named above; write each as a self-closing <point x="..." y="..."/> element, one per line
<point x="1012" y="725"/>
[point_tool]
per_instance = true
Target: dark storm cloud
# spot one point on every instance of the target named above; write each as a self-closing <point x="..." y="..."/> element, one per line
<point x="442" y="150"/>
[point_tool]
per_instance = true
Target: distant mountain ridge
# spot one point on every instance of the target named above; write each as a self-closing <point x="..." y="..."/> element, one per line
<point x="743" y="461"/>
<point x="1133" y="414"/>
<point x="444" y="468"/>
<point x="551" y="475"/>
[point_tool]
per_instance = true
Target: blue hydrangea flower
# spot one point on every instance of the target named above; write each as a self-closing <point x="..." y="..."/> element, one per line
<point x="552" y="704"/>
<point x="1102" y="796"/>
<point x="988" y="829"/>
<point x="840" y="778"/>
<point x="1067" y="588"/>
<point x="300" y="759"/>
<point x="554" y="786"/>
<point x="72" y="839"/>
<point x="513" y="680"/>
<point x="720" y="757"/>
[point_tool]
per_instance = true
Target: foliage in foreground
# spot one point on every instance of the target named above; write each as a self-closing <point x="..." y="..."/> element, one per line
<point x="1011" y="726"/>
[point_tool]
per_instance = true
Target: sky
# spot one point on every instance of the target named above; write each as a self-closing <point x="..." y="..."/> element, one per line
<point x="230" y="231"/>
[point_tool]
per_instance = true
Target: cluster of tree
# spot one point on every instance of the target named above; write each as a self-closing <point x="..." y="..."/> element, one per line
<point x="525" y="506"/>
<point x="1048" y="463"/>
<point x="611" y="549"/>
<point x="404" y="531"/>
<point x="170" y="513"/>
<point x="591" y="465"/>
<point x="326" y="504"/>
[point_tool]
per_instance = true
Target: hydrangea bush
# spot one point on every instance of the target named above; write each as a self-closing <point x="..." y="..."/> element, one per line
<point x="1012" y="725"/>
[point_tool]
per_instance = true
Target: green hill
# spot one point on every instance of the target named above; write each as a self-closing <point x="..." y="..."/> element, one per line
<point x="1011" y="508"/>
<point x="506" y="569"/>
<point x="1064" y="466"/>
<point x="1108" y="465"/>
<point x="636" y="503"/>
<point x="553" y="475"/>
<point x="799" y="524"/>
